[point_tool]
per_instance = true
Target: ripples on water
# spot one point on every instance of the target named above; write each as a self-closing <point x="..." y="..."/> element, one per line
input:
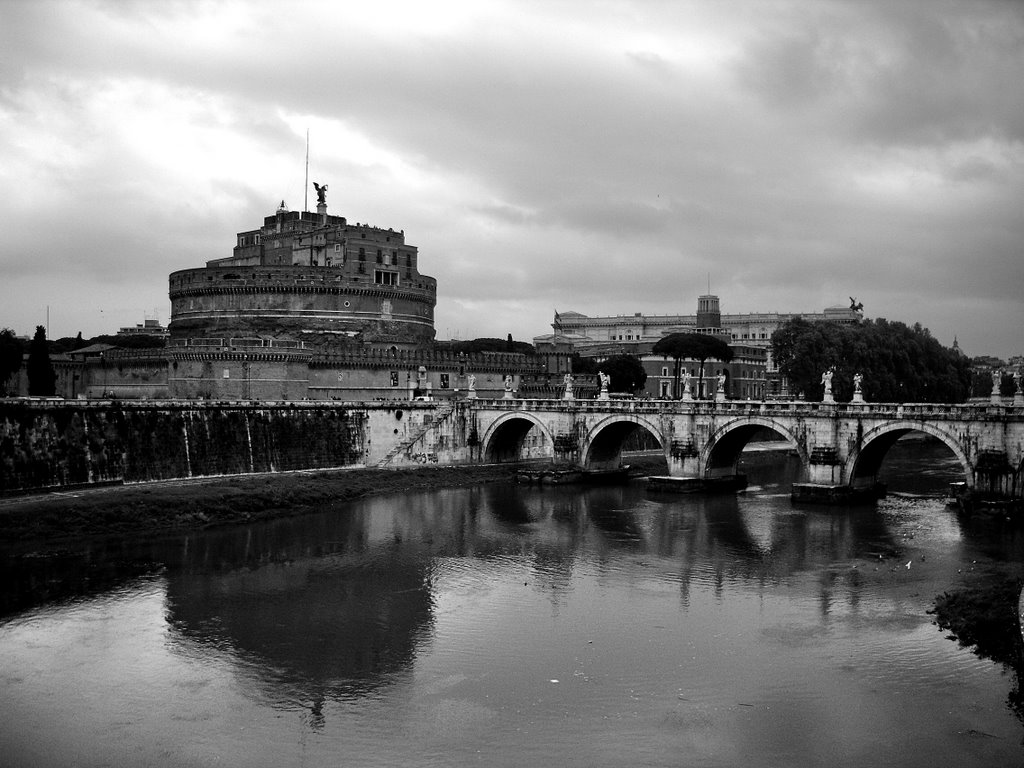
<point x="513" y="626"/>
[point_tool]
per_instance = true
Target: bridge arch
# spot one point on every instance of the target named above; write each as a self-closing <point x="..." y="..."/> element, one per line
<point x="865" y="460"/>
<point x="721" y="453"/>
<point x="504" y="438"/>
<point x="602" y="447"/>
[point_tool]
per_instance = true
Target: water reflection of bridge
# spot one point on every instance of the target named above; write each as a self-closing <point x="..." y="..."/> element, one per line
<point x="335" y="606"/>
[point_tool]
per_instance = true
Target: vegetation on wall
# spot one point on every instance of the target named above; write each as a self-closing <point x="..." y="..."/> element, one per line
<point x="899" y="363"/>
<point x="134" y="341"/>
<point x="489" y="345"/>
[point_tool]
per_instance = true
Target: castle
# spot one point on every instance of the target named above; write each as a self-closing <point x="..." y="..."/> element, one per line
<point x="308" y="307"/>
<point x="309" y="277"/>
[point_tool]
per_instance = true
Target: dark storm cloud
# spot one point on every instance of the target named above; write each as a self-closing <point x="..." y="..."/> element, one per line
<point x="604" y="158"/>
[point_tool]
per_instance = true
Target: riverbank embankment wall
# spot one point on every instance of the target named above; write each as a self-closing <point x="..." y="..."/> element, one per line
<point x="53" y="444"/>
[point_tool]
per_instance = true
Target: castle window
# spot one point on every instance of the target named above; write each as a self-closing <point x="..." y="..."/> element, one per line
<point x="385" y="278"/>
<point x="362" y="254"/>
<point x="337" y="247"/>
<point x="444" y="381"/>
<point x="258" y="239"/>
<point x="380" y="257"/>
<point x="394" y="378"/>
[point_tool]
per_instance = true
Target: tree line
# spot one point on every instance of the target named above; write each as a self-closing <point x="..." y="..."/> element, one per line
<point x="899" y="363"/>
<point x="42" y="379"/>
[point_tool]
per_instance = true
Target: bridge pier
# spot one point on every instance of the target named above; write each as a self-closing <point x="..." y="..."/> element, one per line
<point x="824" y="467"/>
<point x="994" y="475"/>
<point x="684" y="460"/>
<point x="687" y="473"/>
<point x="827" y="482"/>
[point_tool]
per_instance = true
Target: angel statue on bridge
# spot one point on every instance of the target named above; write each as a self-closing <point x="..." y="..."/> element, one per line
<point x="826" y="380"/>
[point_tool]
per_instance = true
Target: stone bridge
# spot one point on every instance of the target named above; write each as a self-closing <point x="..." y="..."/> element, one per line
<point x="840" y="445"/>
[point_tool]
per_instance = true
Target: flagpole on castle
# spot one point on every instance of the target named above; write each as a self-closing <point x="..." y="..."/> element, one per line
<point x="305" y="199"/>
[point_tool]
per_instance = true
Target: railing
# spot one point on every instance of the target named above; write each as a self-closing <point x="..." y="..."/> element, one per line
<point x="914" y="411"/>
<point x="492" y="361"/>
<point x="238" y="342"/>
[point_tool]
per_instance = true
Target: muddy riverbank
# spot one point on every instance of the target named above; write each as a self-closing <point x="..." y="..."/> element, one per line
<point x="208" y="502"/>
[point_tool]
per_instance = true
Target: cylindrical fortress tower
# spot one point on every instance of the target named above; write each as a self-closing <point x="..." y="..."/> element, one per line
<point x="308" y="275"/>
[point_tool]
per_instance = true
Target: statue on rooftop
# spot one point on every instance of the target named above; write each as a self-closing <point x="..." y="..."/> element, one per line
<point x="321" y="192"/>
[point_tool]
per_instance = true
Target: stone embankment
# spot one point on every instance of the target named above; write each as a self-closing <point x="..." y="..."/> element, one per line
<point x="54" y="445"/>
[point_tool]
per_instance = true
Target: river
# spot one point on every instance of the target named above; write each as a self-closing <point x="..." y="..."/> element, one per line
<point x="506" y="625"/>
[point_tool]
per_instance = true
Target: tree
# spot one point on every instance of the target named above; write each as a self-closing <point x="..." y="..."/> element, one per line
<point x="583" y="365"/>
<point x="626" y="371"/>
<point x="899" y="363"/>
<point x="488" y="345"/>
<point x="691" y="346"/>
<point x="42" y="380"/>
<point x="11" y="354"/>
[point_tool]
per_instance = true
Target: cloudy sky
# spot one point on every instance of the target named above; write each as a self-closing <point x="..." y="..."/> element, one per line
<point x="602" y="156"/>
